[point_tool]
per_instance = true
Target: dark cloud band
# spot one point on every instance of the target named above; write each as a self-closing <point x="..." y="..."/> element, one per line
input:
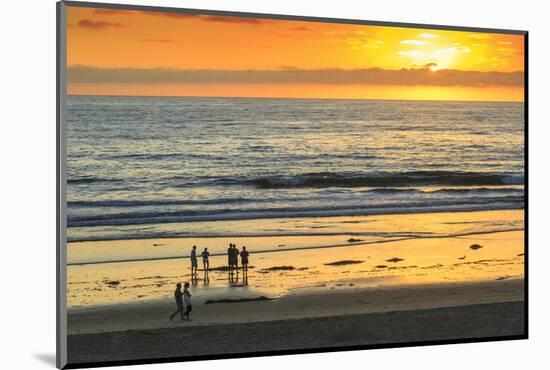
<point x="373" y="76"/>
<point x="98" y="25"/>
<point x="201" y="17"/>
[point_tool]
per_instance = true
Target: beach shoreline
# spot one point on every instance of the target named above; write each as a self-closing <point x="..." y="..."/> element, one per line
<point x="266" y="235"/>
<point x="355" y="243"/>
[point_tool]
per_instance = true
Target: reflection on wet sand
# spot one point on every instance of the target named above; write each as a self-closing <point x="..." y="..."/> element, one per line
<point x="399" y="263"/>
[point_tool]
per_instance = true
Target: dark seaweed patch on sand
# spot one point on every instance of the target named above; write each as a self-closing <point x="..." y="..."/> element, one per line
<point x="112" y="282"/>
<point x="278" y="268"/>
<point x="238" y="300"/>
<point x="344" y="263"/>
<point x="395" y="260"/>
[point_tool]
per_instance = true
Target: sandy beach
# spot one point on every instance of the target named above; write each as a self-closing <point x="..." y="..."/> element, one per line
<point x="347" y="300"/>
<point x="459" y="323"/>
<point x="305" y="321"/>
<point x="335" y="291"/>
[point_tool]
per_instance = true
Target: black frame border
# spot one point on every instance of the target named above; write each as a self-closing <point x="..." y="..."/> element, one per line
<point x="61" y="268"/>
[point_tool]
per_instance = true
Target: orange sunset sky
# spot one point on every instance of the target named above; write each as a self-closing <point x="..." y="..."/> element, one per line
<point x="130" y="52"/>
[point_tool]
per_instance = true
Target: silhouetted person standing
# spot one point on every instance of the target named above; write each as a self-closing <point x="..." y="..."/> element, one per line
<point x="193" y="261"/>
<point x="178" y="296"/>
<point x="230" y="258"/>
<point x="205" y="254"/>
<point x="236" y="257"/>
<point x="244" y="259"/>
<point x="187" y="301"/>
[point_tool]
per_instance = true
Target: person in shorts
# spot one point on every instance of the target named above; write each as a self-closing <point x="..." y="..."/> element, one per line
<point x="230" y="258"/>
<point x="205" y="254"/>
<point x="194" y="261"/>
<point x="244" y="259"/>
<point x="236" y="258"/>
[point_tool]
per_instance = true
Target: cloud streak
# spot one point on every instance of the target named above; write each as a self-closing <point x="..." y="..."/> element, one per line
<point x="424" y="76"/>
<point x="98" y="25"/>
<point x="201" y="17"/>
<point x="224" y="19"/>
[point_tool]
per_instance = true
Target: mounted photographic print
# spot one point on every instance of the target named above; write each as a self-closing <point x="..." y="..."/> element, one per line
<point x="235" y="184"/>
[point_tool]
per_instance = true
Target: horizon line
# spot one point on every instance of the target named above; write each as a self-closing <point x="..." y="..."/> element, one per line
<point x="289" y="98"/>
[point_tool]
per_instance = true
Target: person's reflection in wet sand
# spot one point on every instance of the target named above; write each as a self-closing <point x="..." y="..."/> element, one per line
<point x="194" y="280"/>
<point x="206" y="280"/>
<point x="234" y="280"/>
<point x="245" y="277"/>
<point x="229" y="274"/>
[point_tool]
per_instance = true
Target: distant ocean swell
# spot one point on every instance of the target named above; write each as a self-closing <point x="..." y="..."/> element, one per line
<point x="335" y="194"/>
<point x="157" y="217"/>
<point x="314" y="180"/>
<point x="218" y="201"/>
<point x="404" y="179"/>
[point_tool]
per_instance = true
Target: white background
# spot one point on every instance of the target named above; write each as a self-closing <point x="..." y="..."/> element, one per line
<point x="27" y="207"/>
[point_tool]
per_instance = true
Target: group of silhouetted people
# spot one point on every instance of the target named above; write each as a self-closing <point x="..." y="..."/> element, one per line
<point x="233" y="254"/>
<point x="233" y="258"/>
<point x="183" y="298"/>
<point x="194" y="263"/>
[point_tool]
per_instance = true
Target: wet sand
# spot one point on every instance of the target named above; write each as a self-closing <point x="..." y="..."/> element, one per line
<point x="381" y="265"/>
<point x="265" y="235"/>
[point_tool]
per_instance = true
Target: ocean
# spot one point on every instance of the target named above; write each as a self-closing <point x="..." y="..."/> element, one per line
<point x="150" y="167"/>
